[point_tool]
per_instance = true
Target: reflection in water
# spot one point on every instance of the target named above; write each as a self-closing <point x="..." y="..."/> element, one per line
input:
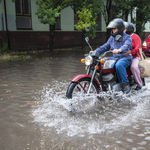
<point x="34" y="112"/>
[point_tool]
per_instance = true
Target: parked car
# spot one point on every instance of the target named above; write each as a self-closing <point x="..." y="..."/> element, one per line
<point x="146" y="46"/>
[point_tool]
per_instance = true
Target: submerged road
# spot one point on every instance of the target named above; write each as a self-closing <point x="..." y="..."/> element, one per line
<point x="34" y="113"/>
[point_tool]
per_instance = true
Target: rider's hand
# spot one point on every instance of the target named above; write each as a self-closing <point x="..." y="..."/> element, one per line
<point x="91" y="51"/>
<point x="116" y="51"/>
<point x="127" y="53"/>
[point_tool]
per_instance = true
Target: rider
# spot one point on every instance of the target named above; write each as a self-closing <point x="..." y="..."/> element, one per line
<point x="136" y="45"/>
<point x="123" y="61"/>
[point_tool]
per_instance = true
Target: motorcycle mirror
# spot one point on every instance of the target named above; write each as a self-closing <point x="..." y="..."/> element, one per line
<point x="87" y="39"/>
<point x="118" y="38"/>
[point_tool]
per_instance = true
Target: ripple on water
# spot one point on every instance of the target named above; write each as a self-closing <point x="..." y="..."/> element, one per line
<point x="142" y="143"/>
<point x="147" y="138"/>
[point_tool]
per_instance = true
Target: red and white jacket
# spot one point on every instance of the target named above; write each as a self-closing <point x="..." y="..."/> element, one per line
<point x="136" y="45"/>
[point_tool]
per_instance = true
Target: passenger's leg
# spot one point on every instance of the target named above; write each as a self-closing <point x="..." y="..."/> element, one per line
<point x="136" y="72"/>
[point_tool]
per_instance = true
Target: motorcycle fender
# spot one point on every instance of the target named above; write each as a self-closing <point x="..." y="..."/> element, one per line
<point x="80" y="76"/>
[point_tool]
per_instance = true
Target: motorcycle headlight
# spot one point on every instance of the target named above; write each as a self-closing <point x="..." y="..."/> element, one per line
<point x="88" y="60"/>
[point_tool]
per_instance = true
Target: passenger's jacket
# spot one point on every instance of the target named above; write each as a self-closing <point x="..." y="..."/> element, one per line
<point x="136" y="45"/>
<point x="125" y="45"/>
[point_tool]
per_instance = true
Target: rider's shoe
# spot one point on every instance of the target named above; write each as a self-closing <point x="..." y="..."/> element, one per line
<point x="126" y="88"/>
<point x="138" y="88"/>
<point x="143" y="81"/>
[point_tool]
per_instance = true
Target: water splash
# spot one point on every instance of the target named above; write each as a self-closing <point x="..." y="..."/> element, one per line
<point x="52" y="111"/>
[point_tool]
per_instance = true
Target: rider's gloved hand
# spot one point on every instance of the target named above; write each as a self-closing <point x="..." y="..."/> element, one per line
<point x="91" y="51"/>
<point x="116" y="51"/>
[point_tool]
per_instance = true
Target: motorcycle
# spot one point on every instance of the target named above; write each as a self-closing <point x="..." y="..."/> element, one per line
<point x="101" y="75"/>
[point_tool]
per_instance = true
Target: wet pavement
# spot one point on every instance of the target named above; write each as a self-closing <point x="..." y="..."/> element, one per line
<point x="34" y="112"/>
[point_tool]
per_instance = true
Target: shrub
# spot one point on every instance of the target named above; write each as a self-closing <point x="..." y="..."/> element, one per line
<point x="4" y="48"/>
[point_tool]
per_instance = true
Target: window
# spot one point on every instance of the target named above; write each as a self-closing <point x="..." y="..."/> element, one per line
<point x="23" y="14"/>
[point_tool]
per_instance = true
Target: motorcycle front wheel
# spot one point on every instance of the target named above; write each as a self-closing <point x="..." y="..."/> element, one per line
<point x="77" y="92"/>
<point x="80" y="88"/>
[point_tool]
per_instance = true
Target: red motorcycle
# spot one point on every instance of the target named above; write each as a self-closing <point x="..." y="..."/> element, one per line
<point x="101" y="75"/>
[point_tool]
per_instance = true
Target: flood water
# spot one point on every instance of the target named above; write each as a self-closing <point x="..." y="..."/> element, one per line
<point x="34" y="111"/>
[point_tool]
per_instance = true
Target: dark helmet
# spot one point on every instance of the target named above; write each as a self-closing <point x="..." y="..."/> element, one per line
<point x="130" y="27"/>
<point x="116" y="23"/>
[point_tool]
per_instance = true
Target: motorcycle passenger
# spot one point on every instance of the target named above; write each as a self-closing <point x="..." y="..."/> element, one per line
<point x="123" y="61"/>
<point x="136" y="45"/>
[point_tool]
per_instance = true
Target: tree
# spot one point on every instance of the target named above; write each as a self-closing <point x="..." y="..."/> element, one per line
<point x="121" y="9"/>
<point x="142" y="9"/>
<point x="87" y="14"/>
<point x="48" y="11"/>
<point x="116" y="9"/>
<point x="107" y="5"/>
<point x="85" y="22"/>
<point x="142" y="15"/>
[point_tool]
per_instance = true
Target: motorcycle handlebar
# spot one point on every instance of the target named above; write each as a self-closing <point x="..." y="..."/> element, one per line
<point x="105" y="53"/>
<point x="94" y="53"/>
<point x="109" y="52"/>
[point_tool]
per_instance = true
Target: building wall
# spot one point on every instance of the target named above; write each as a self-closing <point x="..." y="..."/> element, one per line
<point x="36" y="25"/>
<point x="1" y="15"/>
<point x="11" y="17"/>
<point x="67" y="19"/>
<point x="38" y="37"/>
<point x="2" y="26"/>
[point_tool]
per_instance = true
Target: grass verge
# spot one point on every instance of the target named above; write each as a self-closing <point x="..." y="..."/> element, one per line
<point x="40" y="54"/>
<point x="13" y="57"/>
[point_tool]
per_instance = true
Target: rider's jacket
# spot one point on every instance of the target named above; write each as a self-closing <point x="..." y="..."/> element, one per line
<point x="125" y="45"/>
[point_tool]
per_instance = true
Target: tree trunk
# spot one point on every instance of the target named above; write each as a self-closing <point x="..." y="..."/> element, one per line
<point x="126" y="15"/>
<point x="108" y="33"/>
<point x="110" y="16"/>
<point x="138" y="24"/>
<point x="83" y="39"/>
<point x="52" y="33"/>
<point x="131" y="11"/>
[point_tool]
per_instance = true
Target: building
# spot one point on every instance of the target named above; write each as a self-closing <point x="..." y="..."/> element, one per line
<point x="21" y="29"/>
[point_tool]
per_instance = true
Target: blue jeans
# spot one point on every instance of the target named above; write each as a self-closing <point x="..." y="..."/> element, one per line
<point x="121" y="66"/>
